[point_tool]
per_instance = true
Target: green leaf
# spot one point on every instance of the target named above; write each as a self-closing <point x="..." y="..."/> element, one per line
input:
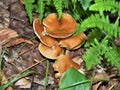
<point x="40" y="9"/>
<point x="29" y="8"/>
<point x="46" y="75"/>
<point x="103" y="23"/>
<point x="85" y="4"/>
<point x="92" y="56"/>
<point x="58" y="6"/>
<point x="11" y="82"/>
<point x="106" y="5"/>
<point x="95" y="33"/>
<point x="74" y="80"/>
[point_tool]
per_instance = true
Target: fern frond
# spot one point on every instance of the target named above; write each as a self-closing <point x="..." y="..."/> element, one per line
<point x="112" y="55"/>
<point x="74" y="4"/>
<point x="106" y="5"/>
<point x="98" y="50"/>
<point x="85" y="3"/>
<point x="95" y="33"/>
<point x="92" y="57"/>
<point x="40" y="9"/>
<point x="66" y="3"/>
<point x="29" y="8"/>
<point x="102" y="23"/>
<point x="48" y="2"/>
<point x="58" y="6"/>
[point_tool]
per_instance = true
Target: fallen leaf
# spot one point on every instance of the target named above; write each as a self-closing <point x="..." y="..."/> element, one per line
<point x="23" y="83"/>
<point x="17" y="41"/>
<point x="3" y="80"/>
<point x="42" y="82"/>
<point x="6" y="34"/>
<point x="96" y="86"/>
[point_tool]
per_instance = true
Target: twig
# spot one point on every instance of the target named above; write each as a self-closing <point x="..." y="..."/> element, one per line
<point x="31" y="66"/>
<point x="112" y="86"/>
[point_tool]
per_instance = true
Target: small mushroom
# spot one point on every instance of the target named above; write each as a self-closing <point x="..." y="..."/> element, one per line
<point x="39" y="31"/>
<point x="50" y="52"/>
<point x="62" y="28"/>
<point x="73" y="42"/>
<point x="63" y="63"/>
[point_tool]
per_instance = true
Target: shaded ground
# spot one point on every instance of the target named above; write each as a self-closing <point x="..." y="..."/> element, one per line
<point x="23" y="54"/>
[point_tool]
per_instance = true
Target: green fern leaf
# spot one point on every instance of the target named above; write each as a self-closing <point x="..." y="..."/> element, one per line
<point x="74" y="4"/>
<point x="29" y="8"/>
<point x="106" y="5"/>
<point x="92" y="57"/>
<point x="85" y="4"/>
<point x="48" y="2"/>
<point x="111" y="55"/>
<point x="102" y="23"/>
<point x="66" y="3"/>
<point x="95" y="33"/>
<point x="40" y="9"/>
<point x="98" y="50"/>
<point x="58" y="6"/>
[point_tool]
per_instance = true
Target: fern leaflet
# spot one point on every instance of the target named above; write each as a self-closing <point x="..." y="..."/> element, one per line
<point x="40" y="9"/>
<point x="92" y="57"/>
<point x="95" y="33"/>
<point x="66" y="3"/>
<point x="94" y="54"/>
<point x="106" y="5"/>
<point x="58" y="6"/>
<point x="85" y="4"/>
<point x="102" y="23"/>
<point x="112" y="55"/>
<point x="29" y="8"/>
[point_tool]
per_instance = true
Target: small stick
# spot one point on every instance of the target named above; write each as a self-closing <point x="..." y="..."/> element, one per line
<point x="31" y="66"/>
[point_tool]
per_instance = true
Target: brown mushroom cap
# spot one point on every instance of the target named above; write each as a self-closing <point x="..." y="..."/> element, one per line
<point x="62" y="28"/>
<point x="50" y="52"/>
<point x="63" y="63"/>
<point x="73" y="42"/>
<point x="45" y="39"/>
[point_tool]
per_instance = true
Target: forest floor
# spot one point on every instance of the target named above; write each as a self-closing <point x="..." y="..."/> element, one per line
<point x="19" y="53"/>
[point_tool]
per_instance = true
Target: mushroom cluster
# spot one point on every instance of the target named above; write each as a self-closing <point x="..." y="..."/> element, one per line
<point x="56" y="36"/>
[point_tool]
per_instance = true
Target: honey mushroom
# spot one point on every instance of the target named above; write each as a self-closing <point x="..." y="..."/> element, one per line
<point x="39" y="31"/>
<point x="62" y="64"/>
<point x="73" y="42"/>
<point x="62" y="28"/>
<point x="50" y="52"/>
<point x="55" y="35"/>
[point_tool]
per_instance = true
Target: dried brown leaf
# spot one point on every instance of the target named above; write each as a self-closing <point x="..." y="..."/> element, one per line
<point x="6" y="34"/>
<point x="23" y="83"/>
<point x="17" y="41"/>
<point x="4" y="80"/>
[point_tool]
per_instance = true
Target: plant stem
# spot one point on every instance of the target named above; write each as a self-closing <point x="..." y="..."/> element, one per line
<point x="46" y="75"/>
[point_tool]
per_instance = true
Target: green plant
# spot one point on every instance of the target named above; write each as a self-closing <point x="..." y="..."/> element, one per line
<point x="80" y="81"/>
<point x="19" y="76"/>
<point x="77" y="8"/>
<point x="101" y="45"/>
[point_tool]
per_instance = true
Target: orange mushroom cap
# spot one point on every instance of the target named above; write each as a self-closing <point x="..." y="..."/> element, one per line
<point x="73" y="42"/>
<point x="62" y="28"/>
<point x="63" y="63"/>
<point x="39" y="31"/>
<point x="50" y="52"/>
